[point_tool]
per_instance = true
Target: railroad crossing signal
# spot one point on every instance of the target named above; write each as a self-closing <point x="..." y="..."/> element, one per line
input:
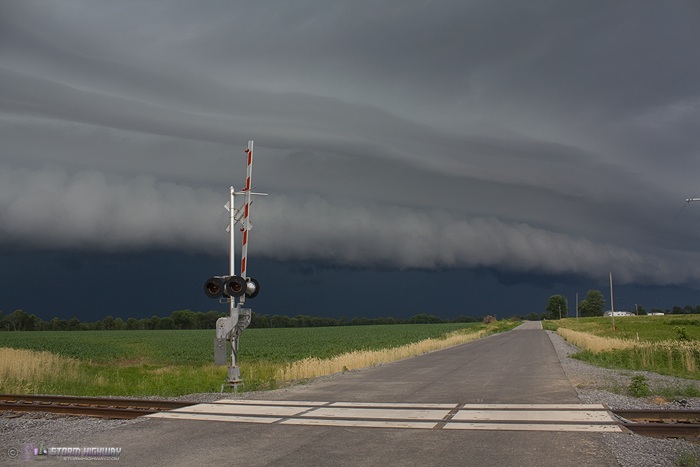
<point x="235" y="289"/>
<point x="231" y="287"/>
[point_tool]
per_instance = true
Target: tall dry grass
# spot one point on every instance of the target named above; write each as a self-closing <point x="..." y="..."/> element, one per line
<point x="668" y="354"/>
<point x="315" y="367"/>
<point x="595" y="344"/>
<point x="26" y="371"/>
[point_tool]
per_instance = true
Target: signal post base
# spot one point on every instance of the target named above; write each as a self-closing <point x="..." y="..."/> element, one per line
<point x="234" y="378"/>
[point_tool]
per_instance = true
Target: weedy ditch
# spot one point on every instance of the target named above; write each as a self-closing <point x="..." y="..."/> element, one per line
<point x="644" y="344"/>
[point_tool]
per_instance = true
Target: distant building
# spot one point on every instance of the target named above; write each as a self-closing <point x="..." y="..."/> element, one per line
<point x="618" y="313"/>
<point x="655" y="314"/>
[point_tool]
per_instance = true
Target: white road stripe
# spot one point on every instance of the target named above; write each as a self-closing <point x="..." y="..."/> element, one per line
<point x="359" y="423"/>
<point x="283" y="403"/>
<point x="391" y="405"/>
<point x="372" y="413"/>
<point x="534" y="427"/>
<point x="225" y="409"/>
<point x="213" y="417"/>
<point x="535" y="406"/>
<point x="587" y="416"/>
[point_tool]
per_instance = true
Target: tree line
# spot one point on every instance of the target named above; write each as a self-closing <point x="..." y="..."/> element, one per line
<point x="595" y="305"/>
<point x="20" y="320"/>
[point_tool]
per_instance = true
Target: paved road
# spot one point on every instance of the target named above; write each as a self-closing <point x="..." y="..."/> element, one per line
<point x="518" y="367"/>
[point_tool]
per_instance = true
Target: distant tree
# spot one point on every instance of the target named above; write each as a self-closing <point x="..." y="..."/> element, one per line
<point x="151" y="323"/>
<point x="465" y="319"/>
<point x="593" y="304"/>
<point x="387" y="320"/>
<point x="118" y="324"/>
<point x="20" y="320"/>
<point x="58" y="324"/>
<point x="557" y="307"/>
<point x="533" y="317"/>
<point x="166" y="323"/>
<point x="108" y="323"/>
<point x="304" y="321"/>
<point x="279" y="321"/>
<point x="184" y="319"/>
<point x="424" y="318"/>
<point x="132" y="324"/>
<point x="640" y="310"/>
<point x="74" y="324"/>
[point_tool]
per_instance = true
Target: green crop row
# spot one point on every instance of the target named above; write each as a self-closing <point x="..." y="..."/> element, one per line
<point x="172" y="347"/>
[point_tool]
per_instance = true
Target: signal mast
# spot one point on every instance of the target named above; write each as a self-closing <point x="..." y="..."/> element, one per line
<point x="234" y="289"/>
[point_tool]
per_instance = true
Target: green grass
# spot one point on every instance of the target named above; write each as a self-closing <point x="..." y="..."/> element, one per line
<point x="668" y="345"/>
<point x="648" y="328"/>
<point x="170" y="363"/>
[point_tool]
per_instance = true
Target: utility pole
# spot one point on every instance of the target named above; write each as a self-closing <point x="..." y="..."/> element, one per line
<point x="612" y="303"/>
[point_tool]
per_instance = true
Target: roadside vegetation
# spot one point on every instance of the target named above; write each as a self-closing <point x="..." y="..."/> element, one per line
<point x="668" y="345"/>
<point x="172" y="362"/>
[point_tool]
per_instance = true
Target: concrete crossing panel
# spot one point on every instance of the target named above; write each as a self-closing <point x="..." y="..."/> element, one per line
<point x="497" y="417"/>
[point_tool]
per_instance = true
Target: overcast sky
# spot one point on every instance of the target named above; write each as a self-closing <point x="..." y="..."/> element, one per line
<point x="529" y="139"/>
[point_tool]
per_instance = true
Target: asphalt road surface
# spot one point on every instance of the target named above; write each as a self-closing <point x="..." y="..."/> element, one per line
<point x="367" y="417"/>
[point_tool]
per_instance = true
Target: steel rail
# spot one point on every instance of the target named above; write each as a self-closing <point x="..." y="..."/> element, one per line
<point x="688" y="431"/>
<point x="662" y="423"/>
<point x="92" y="406"/>
<point x="660" y="416"/>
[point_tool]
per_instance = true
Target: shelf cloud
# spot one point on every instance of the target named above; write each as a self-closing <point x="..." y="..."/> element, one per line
<point x="543" y="137"/>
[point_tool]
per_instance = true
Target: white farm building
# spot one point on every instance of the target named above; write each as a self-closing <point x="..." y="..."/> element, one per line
<point x="618" y="313"/>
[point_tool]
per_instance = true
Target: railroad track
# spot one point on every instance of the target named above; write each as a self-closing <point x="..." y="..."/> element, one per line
<point x="662" y="423"/>
<point x="91" y="406"/>
<point x="656" y="423"/>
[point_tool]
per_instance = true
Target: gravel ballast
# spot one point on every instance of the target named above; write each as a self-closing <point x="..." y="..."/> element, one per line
<point x="593" y="384"/>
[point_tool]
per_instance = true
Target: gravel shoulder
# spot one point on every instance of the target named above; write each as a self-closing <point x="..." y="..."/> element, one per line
<point x="594" y="385"/>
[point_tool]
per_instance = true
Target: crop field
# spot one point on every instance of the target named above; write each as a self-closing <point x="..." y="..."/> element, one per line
<point x="667" y="345"/>
<point x="170" y="363"/>
<point x="196" y="346"/>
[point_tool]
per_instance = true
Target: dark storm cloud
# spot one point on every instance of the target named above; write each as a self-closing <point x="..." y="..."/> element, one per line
<point x="546" y="137"/>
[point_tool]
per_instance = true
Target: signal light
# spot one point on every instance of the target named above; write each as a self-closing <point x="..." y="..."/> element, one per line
<point x="214" y="286"/>
<point x="234" y="286"/>
<point x="252" y="288"/>
<point x="231" y="286"/>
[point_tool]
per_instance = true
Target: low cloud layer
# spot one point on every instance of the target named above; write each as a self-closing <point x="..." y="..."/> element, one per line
<point x="541" y="137"/>
<point x="93" y="212"/>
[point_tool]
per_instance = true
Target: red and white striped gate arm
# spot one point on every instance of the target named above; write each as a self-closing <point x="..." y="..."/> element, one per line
<point x="246" y="211"/>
